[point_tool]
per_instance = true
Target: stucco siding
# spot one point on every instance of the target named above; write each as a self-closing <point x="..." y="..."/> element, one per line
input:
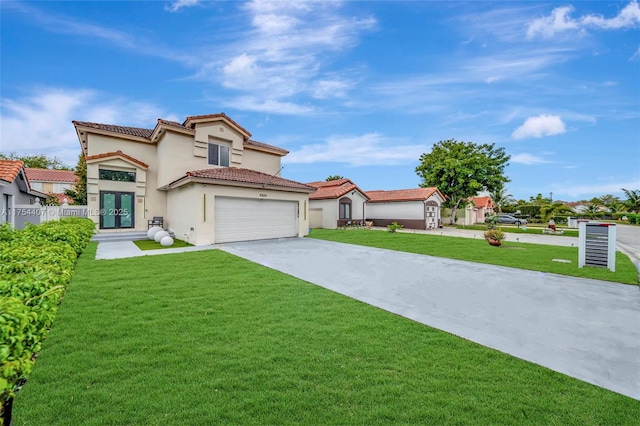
<point x="194" y="207"/>
<point x="329" y="212"/>
<point x="413" y="210"/>
<point x="262" y="162"/>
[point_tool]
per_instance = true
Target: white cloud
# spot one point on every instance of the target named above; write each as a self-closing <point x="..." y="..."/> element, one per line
<point x="286" y="51"/>
<point x="635" y="55"/>
<point x="537" y="127"/>
<point x="41" y="122"/>
<point x="272" y="106"/>
<point x="594" y="188"/>
<point x="364" y="150"/>
<point x="179" y="4"/>
<point x="560" y="20"/>
<point x="528" y="159"/>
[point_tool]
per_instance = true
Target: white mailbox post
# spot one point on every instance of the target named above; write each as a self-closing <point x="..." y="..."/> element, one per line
<point x="597" y="245"/>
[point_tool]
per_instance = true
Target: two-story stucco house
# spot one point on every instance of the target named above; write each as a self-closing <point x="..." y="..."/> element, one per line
<point x="207" y="179"/>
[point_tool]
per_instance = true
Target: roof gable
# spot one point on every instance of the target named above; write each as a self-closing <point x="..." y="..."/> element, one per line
<point x="334" y="189"/>
<point x="117" y="154"/>
<point x="9" y="169"/>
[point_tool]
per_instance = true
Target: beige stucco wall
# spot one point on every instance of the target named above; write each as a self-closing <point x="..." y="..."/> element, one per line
<point x="329" y="212"/>
<point x="261" y="161"/>
<point x="413" y="210"/>
<point x="193" y="206"/>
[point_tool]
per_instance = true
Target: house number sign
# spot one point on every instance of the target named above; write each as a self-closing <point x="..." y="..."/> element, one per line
<point x="262" y="195"/>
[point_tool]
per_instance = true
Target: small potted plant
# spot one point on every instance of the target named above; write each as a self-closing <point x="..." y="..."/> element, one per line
<point x="494" y="236"/>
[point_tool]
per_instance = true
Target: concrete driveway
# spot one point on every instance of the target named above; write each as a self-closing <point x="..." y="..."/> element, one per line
<point x="586" y="329"/>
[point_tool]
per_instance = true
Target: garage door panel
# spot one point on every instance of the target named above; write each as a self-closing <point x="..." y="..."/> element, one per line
<point x="243" y="219"/>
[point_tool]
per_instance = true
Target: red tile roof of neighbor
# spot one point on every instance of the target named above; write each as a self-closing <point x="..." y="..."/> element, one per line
<point x="61" y="198"/>
<point x="117" y="154"/>
<point x="235" y="174"/>
<point x="48" y="175"/>
<point x="9" y="169"/>
<point x="415" y="194"/>
<point x="333" y="189"/>
<point x="146" y="133"/>
<point x="483" y="201"/>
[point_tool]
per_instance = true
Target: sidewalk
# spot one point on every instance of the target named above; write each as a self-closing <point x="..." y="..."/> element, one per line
<point x="552" y="240"/>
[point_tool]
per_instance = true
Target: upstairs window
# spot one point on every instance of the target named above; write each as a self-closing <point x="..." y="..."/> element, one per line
<point x="218" y="155"/>
<point x="117" y="175"/>
<point x="344" y="208"/>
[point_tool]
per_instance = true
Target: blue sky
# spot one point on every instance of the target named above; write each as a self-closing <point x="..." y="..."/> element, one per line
<point x="360" y="89"/>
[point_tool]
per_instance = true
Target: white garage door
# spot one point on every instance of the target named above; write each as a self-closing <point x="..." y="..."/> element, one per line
<point x="244" y="219"/>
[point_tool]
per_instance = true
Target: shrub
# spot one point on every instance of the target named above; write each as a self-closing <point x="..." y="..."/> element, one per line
<point x="394" y="226"/>
<point x="494" y="234"/>
<point x="36" y="265"/>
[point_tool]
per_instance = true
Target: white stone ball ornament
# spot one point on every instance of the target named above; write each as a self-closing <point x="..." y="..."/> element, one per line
<point x="151" y="233"/>
<point x="160" y="235"/>
<point x="166" y="241"/>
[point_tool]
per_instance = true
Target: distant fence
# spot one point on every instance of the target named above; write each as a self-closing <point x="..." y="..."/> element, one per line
<point x="37" y="213"/>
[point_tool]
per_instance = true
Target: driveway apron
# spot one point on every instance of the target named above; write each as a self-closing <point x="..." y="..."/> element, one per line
<point x="583" y="328"/>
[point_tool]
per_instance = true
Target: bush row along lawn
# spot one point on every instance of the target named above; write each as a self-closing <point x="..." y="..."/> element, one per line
<point x="515" y="230"/>
<point x="36" y="265"/>
<point x="207" y="338"/>
<point x="535" y="257"/>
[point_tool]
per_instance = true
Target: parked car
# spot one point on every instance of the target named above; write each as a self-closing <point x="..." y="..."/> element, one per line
<point x="507" y="218"/>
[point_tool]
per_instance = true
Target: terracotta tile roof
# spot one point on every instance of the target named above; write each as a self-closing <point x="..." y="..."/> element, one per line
<point x="322" y="183"/>
<point x="130" y="131"/>
<point x="251" y="142"/>
<point x="187" y="122"/>
<point x="117" y="154"/>
<point x="415" y="194"/>
<point x="483" y="201"/>
<point x="9" y="169"/>
<point x="176" y="125"/>
<point x="333" y="189"/>
<point x="234" y="174"/>
<point x="48" y="175"/>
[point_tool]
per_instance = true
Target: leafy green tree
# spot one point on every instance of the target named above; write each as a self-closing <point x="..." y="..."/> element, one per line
<point x="612" y="203"/>
<point x="461" y="169"/>
<point x="539" y="200"/>
<point x="633" y="199"/>
<point x="37" y="161"/>
<point x="548" y="211"/>
<point x="79" y="194"/>
<point x="334" y="177"/>
<point x="501" y="198"/>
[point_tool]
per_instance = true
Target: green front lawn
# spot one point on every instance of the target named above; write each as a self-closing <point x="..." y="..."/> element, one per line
<point x="208" y="338"/>
<point x="153" y="245"/>
<point x="535" y="257"/>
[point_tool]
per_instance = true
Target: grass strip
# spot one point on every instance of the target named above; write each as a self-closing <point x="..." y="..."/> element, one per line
<point x="535" y="257"/>
<point x="536" y="230"/>
<point x="153" y="245"/>
<point x="208" y="338"/>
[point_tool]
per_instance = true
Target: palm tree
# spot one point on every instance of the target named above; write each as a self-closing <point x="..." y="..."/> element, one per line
<point x="633" y="199"/>
<point x="550" y="210"/>
<point x="501" y="198"/>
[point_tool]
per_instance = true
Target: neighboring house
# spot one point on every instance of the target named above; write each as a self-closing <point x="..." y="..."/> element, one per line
<point x="15" y="193"/>
<point x="53" y="182"/>
<point x="478" y="210"/>
<point x="417" y="208"/>
<point x="207" y="179"/>
<point x="336" y="203"/>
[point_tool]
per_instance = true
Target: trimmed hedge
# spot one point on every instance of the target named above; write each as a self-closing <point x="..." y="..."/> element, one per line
<point x="36" y="265"/>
